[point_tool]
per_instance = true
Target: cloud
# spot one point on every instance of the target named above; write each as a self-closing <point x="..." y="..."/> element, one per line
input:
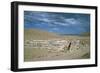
<point x="57" y="22"/>
<point x="61" y="23"/>
<point x="71" y="21"/>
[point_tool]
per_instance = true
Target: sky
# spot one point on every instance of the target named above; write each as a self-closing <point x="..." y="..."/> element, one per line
<point x="60" y="23"/>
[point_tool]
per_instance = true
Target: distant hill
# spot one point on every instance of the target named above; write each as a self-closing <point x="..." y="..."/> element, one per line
<point x="39" y="34"/>
<point x="86" y="34"/>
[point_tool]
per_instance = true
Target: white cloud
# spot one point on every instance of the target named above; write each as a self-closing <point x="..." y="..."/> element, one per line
<point x="45" y="19"/>
<point x="71" y="21"/>
<point x="62" y="24"/>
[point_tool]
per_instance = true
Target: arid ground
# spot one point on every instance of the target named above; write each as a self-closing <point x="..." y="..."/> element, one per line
<point x="42" y="46"/>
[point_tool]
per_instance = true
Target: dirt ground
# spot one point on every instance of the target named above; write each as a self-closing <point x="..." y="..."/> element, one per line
<point x="82" y="51"/>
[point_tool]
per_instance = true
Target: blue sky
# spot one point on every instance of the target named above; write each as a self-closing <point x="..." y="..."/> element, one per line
<point x="61" y="23"/>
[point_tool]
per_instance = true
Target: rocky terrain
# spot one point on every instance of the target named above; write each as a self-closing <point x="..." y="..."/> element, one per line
<point x="41" y="46"/>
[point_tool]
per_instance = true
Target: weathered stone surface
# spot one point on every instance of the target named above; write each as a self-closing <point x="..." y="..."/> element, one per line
<point x="54" y="44"/>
